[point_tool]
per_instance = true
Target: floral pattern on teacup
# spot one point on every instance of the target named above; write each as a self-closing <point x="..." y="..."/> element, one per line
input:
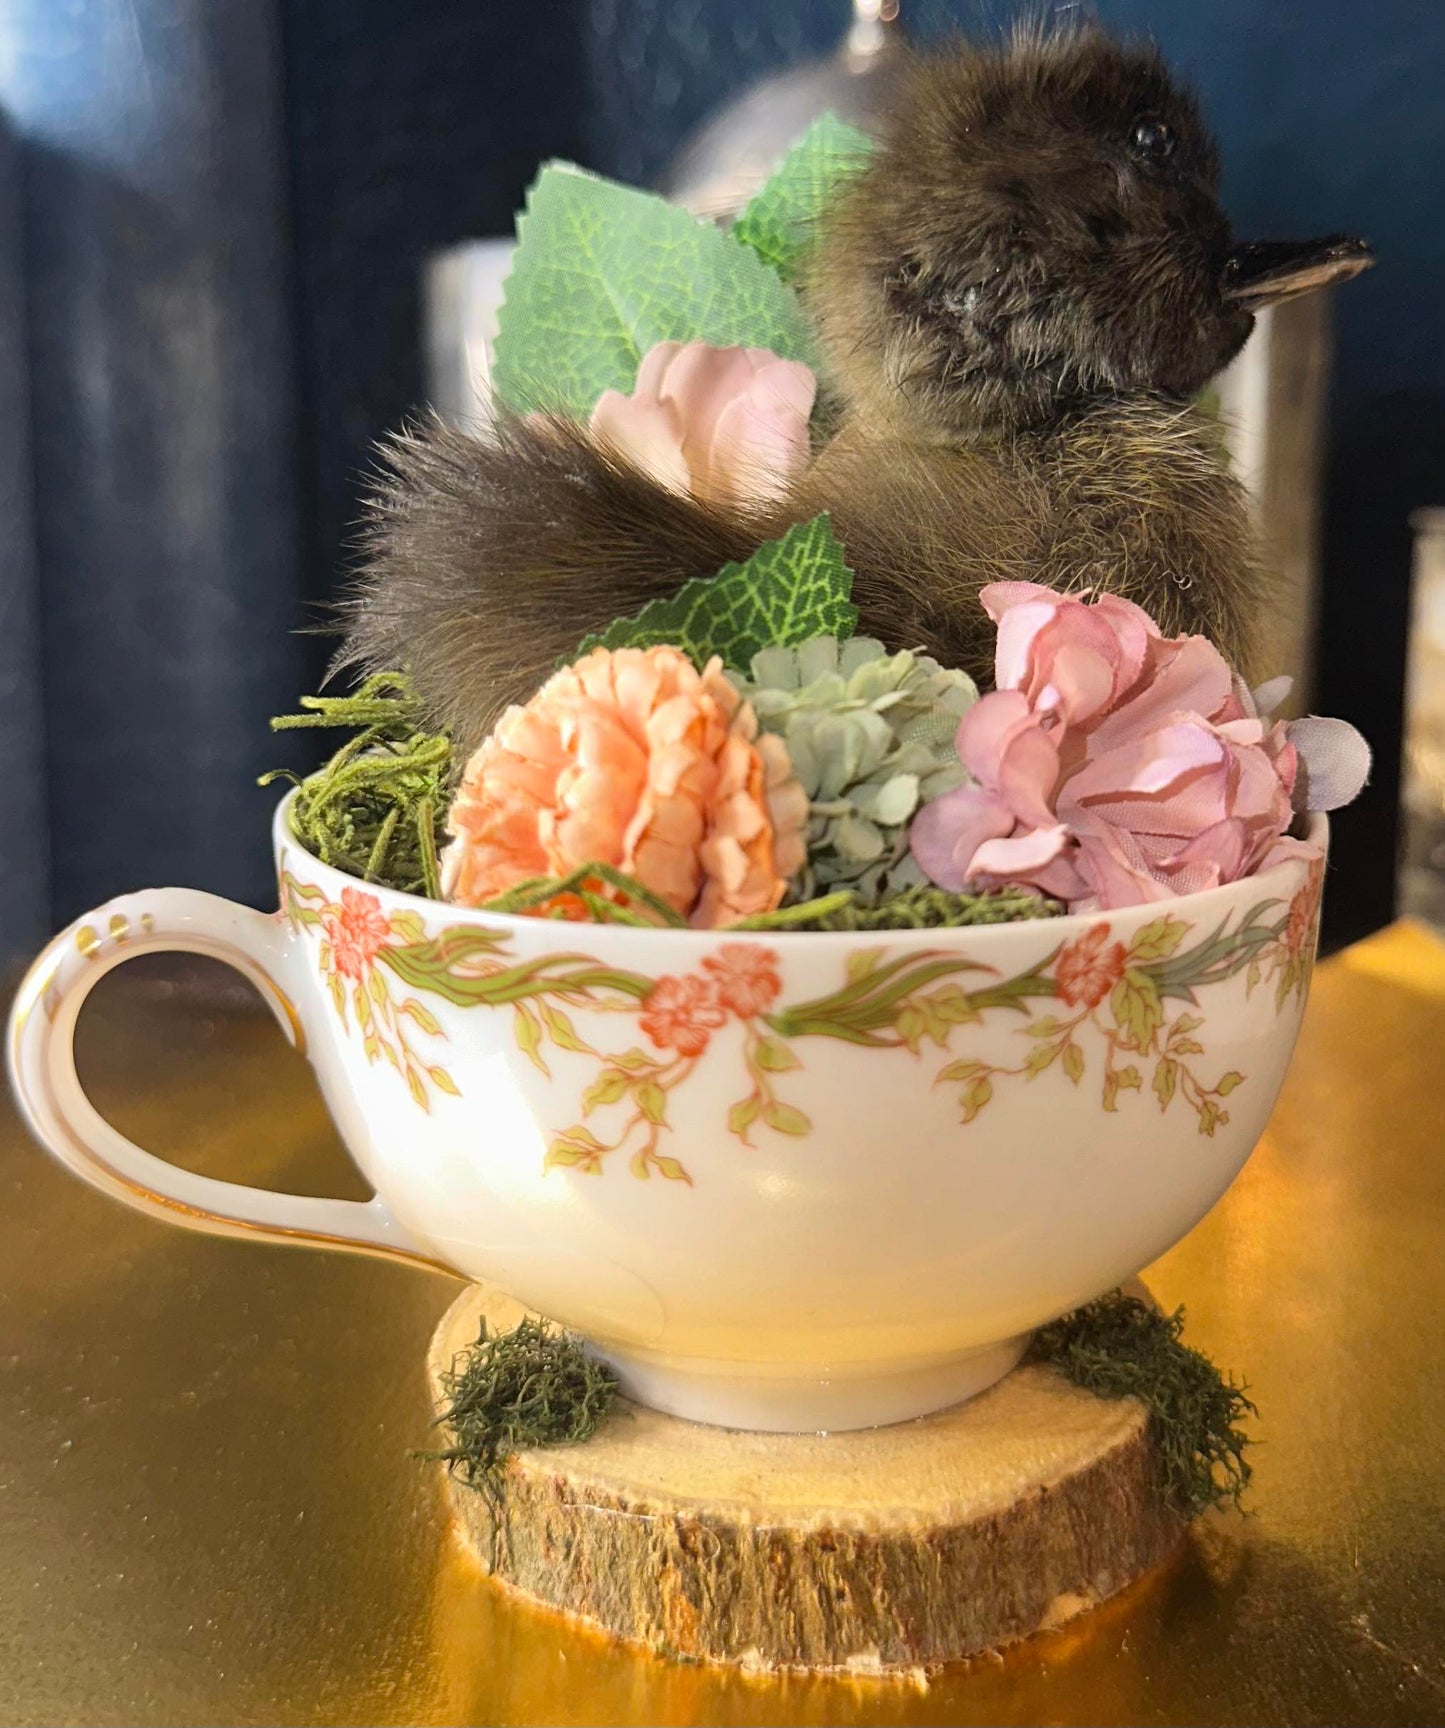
<point x="1126" y="1011"/>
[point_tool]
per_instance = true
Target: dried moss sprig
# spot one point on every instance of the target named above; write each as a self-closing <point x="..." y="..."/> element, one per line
<point x="1120" y="1347"/>
<point x="377" y="808"/>
<point x="532" y="1386"/>
<point x="537" y="891"/>
<point x="918" y="908"/>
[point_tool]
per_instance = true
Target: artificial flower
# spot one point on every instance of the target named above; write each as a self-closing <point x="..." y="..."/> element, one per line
<point x="635" y="759"/>
<point x="1113" y="765"/>
<point x="729" y="425"/>
<point x="870" y="737"/>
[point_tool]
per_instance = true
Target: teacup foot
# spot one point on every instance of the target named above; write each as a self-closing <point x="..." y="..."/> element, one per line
<point x="791" y="1403"/>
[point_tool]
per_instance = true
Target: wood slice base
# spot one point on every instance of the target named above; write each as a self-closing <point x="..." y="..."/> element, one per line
<point x="887" y="1548"/>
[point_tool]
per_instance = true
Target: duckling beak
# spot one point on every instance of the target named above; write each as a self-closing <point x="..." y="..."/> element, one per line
<point x="1269" y="271"/>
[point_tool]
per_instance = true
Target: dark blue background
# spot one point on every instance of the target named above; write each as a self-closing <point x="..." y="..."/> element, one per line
<point x="211" y="269"/>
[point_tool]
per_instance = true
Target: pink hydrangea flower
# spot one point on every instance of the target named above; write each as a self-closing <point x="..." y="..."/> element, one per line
<point x="729" y="425"/>
<point x="1113" y="765"/>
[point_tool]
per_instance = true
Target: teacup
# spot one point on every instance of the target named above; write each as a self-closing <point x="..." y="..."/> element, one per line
<point x="779" y="1181"/>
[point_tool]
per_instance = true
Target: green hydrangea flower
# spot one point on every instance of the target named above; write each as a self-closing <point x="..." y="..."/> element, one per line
<point x="871" y="738"/>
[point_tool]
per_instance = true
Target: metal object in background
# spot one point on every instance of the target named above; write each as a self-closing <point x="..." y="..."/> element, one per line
<point x="1422" y="863"/>
<point x="723" y="162"/>
<point x="461" y="295"/>
<point x="715" y="172"/>
<point x="1272" y="399"/>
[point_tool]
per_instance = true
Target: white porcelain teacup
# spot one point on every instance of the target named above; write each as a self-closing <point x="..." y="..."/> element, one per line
<point x="785" y="1181"/>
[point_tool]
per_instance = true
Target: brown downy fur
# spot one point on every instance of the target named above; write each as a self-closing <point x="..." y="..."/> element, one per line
<point x="1015" y="301"/>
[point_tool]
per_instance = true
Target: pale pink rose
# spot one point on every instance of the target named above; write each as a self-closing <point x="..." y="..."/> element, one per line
<point x="633" y="758"/>
<point x="729" y="425"/>
<point x="1114" y="766"/>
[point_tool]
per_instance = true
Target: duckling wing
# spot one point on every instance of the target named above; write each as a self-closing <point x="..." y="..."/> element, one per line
<point x="486" y="561"/>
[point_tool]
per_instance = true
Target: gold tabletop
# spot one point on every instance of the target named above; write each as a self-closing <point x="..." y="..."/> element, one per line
<point x="209" y="1511"/>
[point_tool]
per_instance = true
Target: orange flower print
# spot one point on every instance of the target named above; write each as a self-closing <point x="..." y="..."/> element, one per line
<point x="681" y="1014"/>
<point x="358" y="931"/>
<point x="1303" y="910"/>
<point x="745" y="977"/>
<point x="1087" y="971"/>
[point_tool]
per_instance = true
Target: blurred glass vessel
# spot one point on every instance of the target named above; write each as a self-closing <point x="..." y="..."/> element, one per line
<point x="1422" y="863"/>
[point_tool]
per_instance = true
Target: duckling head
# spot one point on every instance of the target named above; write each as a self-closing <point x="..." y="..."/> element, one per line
<point x="1041" y="228"/>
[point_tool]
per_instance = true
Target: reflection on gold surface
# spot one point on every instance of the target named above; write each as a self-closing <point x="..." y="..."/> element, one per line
<point x="208" y="1510"/>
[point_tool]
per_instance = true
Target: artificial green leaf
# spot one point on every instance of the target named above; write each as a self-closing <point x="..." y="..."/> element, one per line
<point x="602" y="272"/>
<point x="789" y="590"/>
<point x="780" y="219"/>
<point x="1074" y="1062"/>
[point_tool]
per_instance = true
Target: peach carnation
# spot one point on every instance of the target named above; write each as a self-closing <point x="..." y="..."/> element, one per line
<point x="633" y="758"/>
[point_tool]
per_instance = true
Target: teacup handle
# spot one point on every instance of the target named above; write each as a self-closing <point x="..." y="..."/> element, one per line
<point x="42" y="1071"/>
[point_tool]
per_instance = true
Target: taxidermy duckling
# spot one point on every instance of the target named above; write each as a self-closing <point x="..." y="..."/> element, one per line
<point x="1016" y="302"/>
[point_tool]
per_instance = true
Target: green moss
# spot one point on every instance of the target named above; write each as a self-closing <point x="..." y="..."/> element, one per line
<point x="918" y="908"/>
<point x="532" y="1386"/>
<point x="376" y="808"/>
<point x="1120" y="1347"/>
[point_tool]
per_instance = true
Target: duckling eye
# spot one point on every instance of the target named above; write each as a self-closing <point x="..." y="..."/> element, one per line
<point x="1152" y="139"/>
